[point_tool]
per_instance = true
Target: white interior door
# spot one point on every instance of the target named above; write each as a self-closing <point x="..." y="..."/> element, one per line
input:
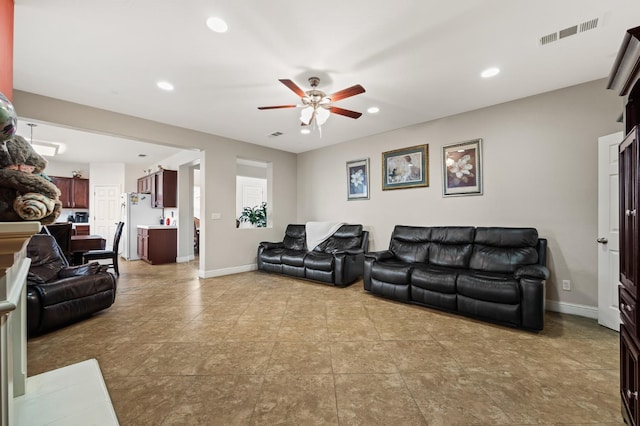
<point x="106" y="211"/>
<point x="608" y="231"/>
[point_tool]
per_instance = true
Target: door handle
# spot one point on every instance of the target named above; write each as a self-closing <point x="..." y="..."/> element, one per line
<point x="602" y="240"/>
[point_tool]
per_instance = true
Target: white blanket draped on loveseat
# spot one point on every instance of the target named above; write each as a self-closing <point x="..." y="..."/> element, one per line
<point x="317" y="232"/>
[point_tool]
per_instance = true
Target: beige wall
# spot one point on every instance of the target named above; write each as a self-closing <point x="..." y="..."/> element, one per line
<point x="540" y="170"/>
<point x="225" y="249"/>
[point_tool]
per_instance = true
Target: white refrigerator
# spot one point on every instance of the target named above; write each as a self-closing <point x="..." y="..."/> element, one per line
<point x="136" y="210"/>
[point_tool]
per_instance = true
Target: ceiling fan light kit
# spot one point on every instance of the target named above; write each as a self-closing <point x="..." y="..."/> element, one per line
<point x="317" y="105"/>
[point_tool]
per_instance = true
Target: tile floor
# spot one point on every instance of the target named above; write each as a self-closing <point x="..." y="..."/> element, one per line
<point x="261" y="349"/>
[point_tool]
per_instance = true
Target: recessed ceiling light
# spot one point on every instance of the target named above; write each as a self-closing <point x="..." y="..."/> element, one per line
<point x="305" y="131"/>
<point x="373" y="110"/>
<point x="217" y="25"/>
<point x="165" y="85"/>
<point x="490" y="72"/>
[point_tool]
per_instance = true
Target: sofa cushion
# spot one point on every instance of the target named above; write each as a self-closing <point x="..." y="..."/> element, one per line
<point x="319" y="261"/>
<point x="435" y="279"/>
<point x="295" y="237"/>
<point x="272" y="256"/>
<point x="392" y="271"/>
<point x="293" y="257"/>
<point x="410" y="243"/>
<point x="392" y="291"/>
<point x="507" y="237"/>
<point x="504" y="249"/>
<point x="451" y="246"/>
<point x="498" y="312"/>
<point x="493" y="287"/>
<point x="345" y="238"/>
<point x="46" y="257"/>
<point x="72" y="288"/>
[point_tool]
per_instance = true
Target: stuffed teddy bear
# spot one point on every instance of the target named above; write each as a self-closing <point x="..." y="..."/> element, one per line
<point x="25" y="193"/>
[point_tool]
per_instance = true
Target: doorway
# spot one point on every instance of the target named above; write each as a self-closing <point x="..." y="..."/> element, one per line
<point x="608" y="231"/>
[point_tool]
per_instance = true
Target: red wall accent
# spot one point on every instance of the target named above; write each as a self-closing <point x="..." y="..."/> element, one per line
<point x="6" y="48"/>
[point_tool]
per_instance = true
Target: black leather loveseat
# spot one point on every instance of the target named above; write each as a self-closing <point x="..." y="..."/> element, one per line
<point x="58" y="294"/>
<point x="338" y="260"/>
<point x="494" y="274"/>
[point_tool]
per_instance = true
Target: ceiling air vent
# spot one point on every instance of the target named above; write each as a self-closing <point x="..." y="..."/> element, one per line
<point x="549" y="38"/>
<point x="569" y="31"/>
<point x="276" y="134"/>
<point x="589" y="25"/>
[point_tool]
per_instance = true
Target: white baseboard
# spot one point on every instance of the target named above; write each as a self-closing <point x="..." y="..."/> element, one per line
<point x="572" y="308"/>
<point x="183" y="259"/>
<point x="227" y="271"/>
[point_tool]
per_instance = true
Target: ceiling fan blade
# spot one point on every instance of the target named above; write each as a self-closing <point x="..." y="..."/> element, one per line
<point x="291" y="85"/>
<point x="345" y="112"/>
<point x="346" y="93"/>
<point x="278" y="107"/>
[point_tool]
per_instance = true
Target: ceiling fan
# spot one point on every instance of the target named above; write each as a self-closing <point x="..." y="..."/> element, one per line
<point x="316" y="104"/>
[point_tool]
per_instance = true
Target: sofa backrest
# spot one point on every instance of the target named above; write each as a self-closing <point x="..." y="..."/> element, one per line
<point x="504" y="249"/>
<point x="451" y="246"/>
<point x="345" y="238"/>
<point x="410" y="243"/>
<point x="47" y="258"/>
<point x="295" y="237"/>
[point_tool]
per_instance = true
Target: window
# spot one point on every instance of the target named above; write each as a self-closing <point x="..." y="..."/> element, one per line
<point x="252" y="198"/>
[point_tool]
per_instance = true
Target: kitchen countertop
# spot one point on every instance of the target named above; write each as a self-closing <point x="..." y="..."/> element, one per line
<point x="156" y="227"/>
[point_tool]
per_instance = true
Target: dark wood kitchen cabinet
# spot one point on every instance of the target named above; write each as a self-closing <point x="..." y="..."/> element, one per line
<point x="163" y="187"/>
<point x="74" y="192"/>
<point x="144" y="184"/>
<point x="165" y="193"/>
<point x="624" y="78"/>
<point x="158" y="245"/>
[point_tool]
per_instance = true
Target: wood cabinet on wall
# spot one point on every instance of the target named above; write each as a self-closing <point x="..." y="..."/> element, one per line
<point x="624" y="78"/>
<point x="74" y="192"/>
<point x="144" y="184"/>
<point x="163" y="187"/>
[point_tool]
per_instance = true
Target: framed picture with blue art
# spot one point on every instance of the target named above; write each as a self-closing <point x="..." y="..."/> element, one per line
<point x="462" y="168"/>
<point x="405" y="168"/>
<point x="358" y="179"/>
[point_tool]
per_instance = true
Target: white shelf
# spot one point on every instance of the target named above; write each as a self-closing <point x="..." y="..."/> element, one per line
<point x="69" y="396"/>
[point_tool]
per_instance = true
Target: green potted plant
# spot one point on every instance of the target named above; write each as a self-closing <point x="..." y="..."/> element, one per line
<point x="256" y="216"/>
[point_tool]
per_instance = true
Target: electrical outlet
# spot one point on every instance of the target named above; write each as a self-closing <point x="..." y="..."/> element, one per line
<point x="566" y="285"/>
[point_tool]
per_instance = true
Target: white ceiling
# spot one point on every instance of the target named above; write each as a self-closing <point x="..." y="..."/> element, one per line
<point x="417" y="59"/>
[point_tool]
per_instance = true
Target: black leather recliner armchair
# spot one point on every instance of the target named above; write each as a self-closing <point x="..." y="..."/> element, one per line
<point x="58" y="294"/>
<point x="338" y="260"/>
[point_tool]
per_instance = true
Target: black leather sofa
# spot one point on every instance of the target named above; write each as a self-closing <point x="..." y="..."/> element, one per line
<point x="494" y="274"/>
<point x="58" y="294"/>
<point x="339" y="260"/>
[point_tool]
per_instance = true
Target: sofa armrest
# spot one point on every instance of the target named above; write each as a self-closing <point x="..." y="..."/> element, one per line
<point x="351" y="252"/>
<point x="532" y="271"/>
<point x="379" y="255"/>
<point x="268" y="245"/>
<point x="80" y="270"/>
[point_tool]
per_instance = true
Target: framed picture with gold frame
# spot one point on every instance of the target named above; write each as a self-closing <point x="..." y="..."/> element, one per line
<point x="462" y="168"/>
<point x="405" y="168"/>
